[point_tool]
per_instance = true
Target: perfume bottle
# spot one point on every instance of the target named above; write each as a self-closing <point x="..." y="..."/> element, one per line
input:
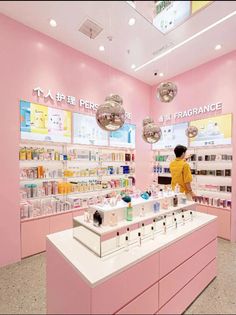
<point x="153" y="234"/>
<point x="143" y="230"/>
<point x="142" y="213"/>
<point x="117" y="239"/>
<point x="86" y="216"/>
<point x="156" y="207"/>
<point x="155" y="224"/>
<point x="191" y="215"/>
<point x="126" y="243"/>
<point x="128" y="233"/>
<point x="177" y="190"/>
<point x="113" y="219"/>
<point x="175" y="201"/>
<point x="139" y="239"/>
<point x="175" y="221"/>
<point x="164" y="227"/>
<point x="173" y="217"/>
<point x="129" y="213"/>
<point x="97" y="219"/>
<point x="165" y="204"/>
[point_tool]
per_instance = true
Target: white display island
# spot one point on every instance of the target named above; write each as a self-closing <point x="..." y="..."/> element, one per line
<point x="162" y="274"/>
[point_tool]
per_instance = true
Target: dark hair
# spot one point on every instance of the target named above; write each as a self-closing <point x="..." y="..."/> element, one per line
<point x="179" y="150"/>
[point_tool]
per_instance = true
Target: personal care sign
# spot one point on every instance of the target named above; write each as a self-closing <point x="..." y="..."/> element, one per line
<point x="61" y="98"/>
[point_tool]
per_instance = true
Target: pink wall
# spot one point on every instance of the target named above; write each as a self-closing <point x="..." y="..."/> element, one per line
<point x="29" y="59"/>
<point x="209" y="83"/>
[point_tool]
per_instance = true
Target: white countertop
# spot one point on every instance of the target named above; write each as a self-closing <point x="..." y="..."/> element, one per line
<point x="95" y="270"/>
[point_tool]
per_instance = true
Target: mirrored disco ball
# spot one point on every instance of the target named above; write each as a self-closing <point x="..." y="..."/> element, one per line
<point x="110" y="116"/>
<point x="166" y="92"/>
<point x="151" y="133"/>
<point x="191" y="132"/>
<point x="147" y="121"/>
<point x="114" y="98"/>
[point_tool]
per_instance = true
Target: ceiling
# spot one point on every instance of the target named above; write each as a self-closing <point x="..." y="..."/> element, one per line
<point x="135" y="44"/>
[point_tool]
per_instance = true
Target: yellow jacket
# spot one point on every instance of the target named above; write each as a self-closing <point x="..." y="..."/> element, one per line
<point x="180" y="174"/>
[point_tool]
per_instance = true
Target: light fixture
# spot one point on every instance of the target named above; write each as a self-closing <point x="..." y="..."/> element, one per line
<point x="131" y="21"/>
<point x="151" y="132"/>
<point x="166" y="92"/>
<point x="218" y="47"/>
<point x="133" y="66"/>
<point x="191" y="132"/>
<point x="53" y="23"/>
<point x="110" y="116"/>
<point x="161" y="74"/>
<point x="101" y="48"/>
<point x="187" y="40"/>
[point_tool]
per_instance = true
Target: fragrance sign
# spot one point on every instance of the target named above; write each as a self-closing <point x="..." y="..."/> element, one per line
<point x="61" y="98"/>
<point x="192" y="112"/>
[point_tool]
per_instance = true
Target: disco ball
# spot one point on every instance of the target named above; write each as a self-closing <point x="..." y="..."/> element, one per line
<point x="191" y="132"/>
<point x="110" y="116"/>
<point x="166" y="92"/>
<point x="114" y="98"/>
<point x="151" y="133"/>
<point x="147" y="121"/>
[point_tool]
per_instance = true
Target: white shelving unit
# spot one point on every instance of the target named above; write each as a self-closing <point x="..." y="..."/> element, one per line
<point x="209" y="186"/>
<point x="95" y="160"/>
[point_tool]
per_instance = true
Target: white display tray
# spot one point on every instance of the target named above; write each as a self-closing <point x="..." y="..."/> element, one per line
<point x="103" y="230"/>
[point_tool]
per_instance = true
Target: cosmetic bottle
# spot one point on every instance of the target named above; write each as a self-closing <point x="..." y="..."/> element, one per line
<point x="173" y="217"/>
<point x="86" y="215"/>
<point x="175" y="201"/>
<point x="113" y="219"/>
<point x="164" y="227"/>
<point x="175" y="221"/>
<point x="177" y="190"/>
<point x="117" y="239"/>
<point x="142" y="213"/>
<point x="128" y="233"/>
<point x="126" y="243"/>
<point x="155" y="225"/>
<point x="97" y="219"/>
<point x="143" y="230"/>
<point x="191" y="215"/>
<point x="129" y="213"/>
<point x="139" y="239"/>
<point x="153" y="234"/>
<point x="165" y="204"/>
<point x="156" y="207"/>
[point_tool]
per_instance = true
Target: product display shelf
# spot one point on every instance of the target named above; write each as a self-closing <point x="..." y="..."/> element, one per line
<point x="220" y="161"/>
<point x="76" y="177"/>
<point x="103" y="230"/>
<point x="93" y="192"/>
<point x="53" y="214"/>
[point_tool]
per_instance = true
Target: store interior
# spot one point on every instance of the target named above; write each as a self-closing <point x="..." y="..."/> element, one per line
<point x="90" y="223"/>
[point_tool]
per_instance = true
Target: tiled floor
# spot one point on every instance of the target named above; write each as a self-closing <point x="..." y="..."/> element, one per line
<point x="22" y="286"/>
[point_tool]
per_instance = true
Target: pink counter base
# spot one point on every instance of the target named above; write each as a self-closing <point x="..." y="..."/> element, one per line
<point x="139" y="289"/>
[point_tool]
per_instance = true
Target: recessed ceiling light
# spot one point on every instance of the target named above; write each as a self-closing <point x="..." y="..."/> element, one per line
<point x="101" y="48"/>
<point x="167" y="52"/>
<point x="131" y="21"/>
<point x="161" y="74"/>
<point x="53" y="23"/>
<point x="133" y="66"/>
<point x="218" y="47"/>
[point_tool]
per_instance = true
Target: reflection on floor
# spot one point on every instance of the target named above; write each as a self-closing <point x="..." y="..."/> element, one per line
<point x="22" y="286"/>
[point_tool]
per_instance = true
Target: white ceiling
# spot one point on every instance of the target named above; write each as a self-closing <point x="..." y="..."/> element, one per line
<point x="141" y="40"/>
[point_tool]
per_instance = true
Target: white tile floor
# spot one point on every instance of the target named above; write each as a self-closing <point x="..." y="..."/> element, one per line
<point x="22" y="286"/>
